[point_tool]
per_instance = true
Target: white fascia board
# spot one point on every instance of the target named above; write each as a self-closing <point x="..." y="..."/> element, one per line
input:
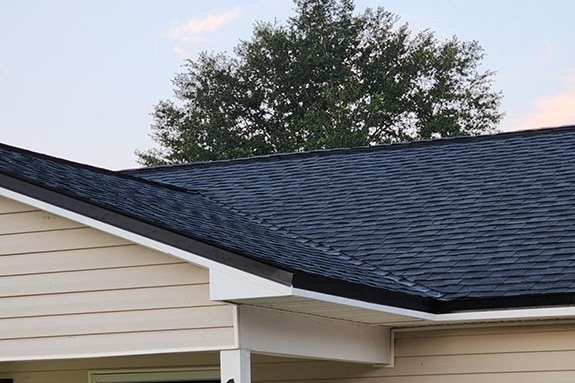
<point x="110" y="229"/>
<point x="509" y="315"/>
<point x="363" y="305"/>
<point x="469" y="316"/>
<point x="230" y="286"/>
<point x="226" y="278"/>
<point x="226" y="282"/>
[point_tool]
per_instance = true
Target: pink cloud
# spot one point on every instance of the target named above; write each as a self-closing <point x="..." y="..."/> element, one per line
<point x="193" y="29"/>
<point x="553" y="110"/>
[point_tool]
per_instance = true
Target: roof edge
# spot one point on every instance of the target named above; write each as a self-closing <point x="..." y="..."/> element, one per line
<point x="344" y="289"/>
<point x="96" y="169"/>
<point x="299" y="280"/>
<point x="511" y="302"/>
<point x="359" y="149"/>
<point x="428" y="305"/>
<point x="144" y="229"/>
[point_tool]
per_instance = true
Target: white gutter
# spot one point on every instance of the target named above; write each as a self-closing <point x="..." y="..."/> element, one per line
<point x="362" y="305"/>
<point x="251" y="286"/>
<point x="246" y="285"/>
<point x="468" y="316"/>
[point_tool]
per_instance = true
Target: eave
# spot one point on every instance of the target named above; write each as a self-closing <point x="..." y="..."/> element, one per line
<point x="242" y="280"/>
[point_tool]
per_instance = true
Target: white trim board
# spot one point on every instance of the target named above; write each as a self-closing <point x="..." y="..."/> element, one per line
<point x="154" y="375"/>
<point x="536" y="313"/>
<point x="118" y="353"/>
<point x="298" y="335"/>
<point x="246" y="285"/>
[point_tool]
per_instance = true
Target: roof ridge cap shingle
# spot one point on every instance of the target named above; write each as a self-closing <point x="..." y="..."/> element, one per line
<point x="79" y="165"/>
<point x="406" y="282"/>
<point x="352" y="150"/>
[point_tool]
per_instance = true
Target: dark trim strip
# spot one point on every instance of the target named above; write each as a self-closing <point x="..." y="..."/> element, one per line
<point x="298" y="279"/>
<point x="363" y="293"/>
<point x="506" y="303"/>
<point x="425" y="304"/>
<point x="146" y="230"/>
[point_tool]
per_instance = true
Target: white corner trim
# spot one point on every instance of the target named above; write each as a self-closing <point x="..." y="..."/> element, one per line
<point x="235" y="366"/>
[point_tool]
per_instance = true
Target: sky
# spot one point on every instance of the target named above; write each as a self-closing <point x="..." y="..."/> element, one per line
<point x="79" y="79"/>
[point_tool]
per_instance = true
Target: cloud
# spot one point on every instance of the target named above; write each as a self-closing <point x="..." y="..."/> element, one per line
<point x="193" y="30"/>
<point x="180" y="51"/>
<point x="553" y="110"/>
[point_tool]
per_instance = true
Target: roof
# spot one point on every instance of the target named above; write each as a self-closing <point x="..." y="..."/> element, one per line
<point x="440" y="226"/>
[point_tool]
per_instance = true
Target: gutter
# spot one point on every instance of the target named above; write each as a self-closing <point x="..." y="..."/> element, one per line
<point x="264" y="280"/>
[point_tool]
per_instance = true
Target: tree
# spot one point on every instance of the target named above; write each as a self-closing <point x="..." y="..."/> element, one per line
<point x="328" y="78"/>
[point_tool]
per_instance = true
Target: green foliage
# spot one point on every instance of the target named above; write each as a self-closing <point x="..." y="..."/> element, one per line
<point x="328" y="78"/>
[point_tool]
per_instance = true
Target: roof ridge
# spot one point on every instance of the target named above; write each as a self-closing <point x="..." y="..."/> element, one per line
<point x="406" y="282"/>
<point x="118" y="173"/>
<point x="359" y="149"/>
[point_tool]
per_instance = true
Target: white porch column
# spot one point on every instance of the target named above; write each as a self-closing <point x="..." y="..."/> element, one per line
<point x="235" y="366"/>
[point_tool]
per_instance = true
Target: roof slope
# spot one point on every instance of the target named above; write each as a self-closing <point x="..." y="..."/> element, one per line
<point x="186" y="216"/>
<point x="479" y="221"/>
<point x="439" y="226"/>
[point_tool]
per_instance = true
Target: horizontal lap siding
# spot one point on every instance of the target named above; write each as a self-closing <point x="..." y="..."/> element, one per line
<point x="503" y="354"/>
<point x="66" y="289"/>
<point x="519" y="354"/>
<point x="544" y="354"/>
<point x="76" y="371"/>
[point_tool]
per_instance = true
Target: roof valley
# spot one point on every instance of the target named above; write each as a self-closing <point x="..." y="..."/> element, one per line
<point x="322" y="247"/>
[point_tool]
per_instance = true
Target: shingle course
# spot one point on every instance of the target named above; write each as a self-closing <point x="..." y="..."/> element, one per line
<point x="201" y="217"/>
<point x="468" y="218"/>
<point x="454" y="219"/>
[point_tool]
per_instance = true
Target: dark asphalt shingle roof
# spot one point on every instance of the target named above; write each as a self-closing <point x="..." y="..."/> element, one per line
<point x="454" y="220"/>
<point x="184" y="211"/>
<point x="468" y="218"/>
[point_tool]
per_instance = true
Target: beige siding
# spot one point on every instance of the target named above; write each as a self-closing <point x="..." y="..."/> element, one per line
<point x="504" y="354"/>
<point x="76" y="371"/>
<point x="543" y="354"/>
<point x="66" y="289"/>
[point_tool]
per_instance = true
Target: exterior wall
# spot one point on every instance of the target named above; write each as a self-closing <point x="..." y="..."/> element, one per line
<point x="77" y="370"/>
<point x="543" y="354"/>
<point x="69" y="290"/>
<point x="505" y="354"/>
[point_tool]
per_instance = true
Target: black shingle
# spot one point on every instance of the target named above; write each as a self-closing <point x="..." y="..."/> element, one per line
<point x="477" y="207"/>
<point x="477" y="218"/>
